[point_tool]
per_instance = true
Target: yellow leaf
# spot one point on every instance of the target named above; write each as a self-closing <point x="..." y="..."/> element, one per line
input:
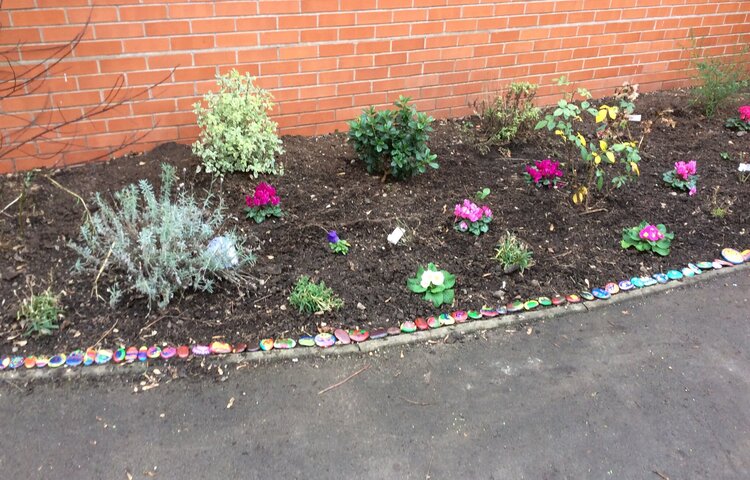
<point x="611" y="157"/>
<point x="612" y="112"/>
<point x="601" y="115"/>
<point x="580" y="195"/>
<point x="597" y="159"/>
<point x="581" y="138"/>
<point x="603" y="145"/>
<point x="634" y="167"/>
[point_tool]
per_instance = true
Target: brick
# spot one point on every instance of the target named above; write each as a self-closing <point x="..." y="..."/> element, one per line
<point x="279" y="37"/>
<point x="279" y="6"/>
<point x="286" y="53"/>
<point x="193" y="42"/>
<point x="318" y="35"/>
<point x="213" y="25"/>
<point x="297" y="21"/>
<point x="236" y="40"/>
<point x="118" y="30"/>
<point x="191" y="10"/>
<point x="336" y="19"/>
<point x="98" y="48"/>
<point x="122" y="65"/>
<point x="354" y="33"/>
<point x="171" y="27"/>
<point x="311" y="6"/>
<point x="143" y="12"/>
<point x="142" y="45"/>
<point x="38" y="17"/>
<point x="253" y="24"/>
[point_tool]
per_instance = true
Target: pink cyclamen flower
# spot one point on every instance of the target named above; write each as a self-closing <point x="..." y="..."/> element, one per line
<point x="650" y="233"/>
<point x="264" y="194"/>
<point x="463" y="226"/>
<point x="685" y="169"/>
<point x="692" y="191"/>
<point x="535" y="174"/>
<point x="745" y="113"/>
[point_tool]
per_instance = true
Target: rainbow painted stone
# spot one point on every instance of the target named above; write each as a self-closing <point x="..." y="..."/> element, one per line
<point x="90" y="357"/>
<point x="119" y="355"/>
<point x="460" y="316"/>
<point x="325" y="340"/>
<point x="266" y="344"/>
<point x="733" y="256"/>
<point x="75" y="358"/>
<point x="153" y="352"/>
<point x="168" y="352"/>
<point x="359" y="335"/>
<point x="433" y="322"/>
<point x="626" y="285"/>
<point x="103" y="356"/>
<point x="143" y="353"/>
<point x="612" y="288"/>
<point x="131" y="354"/>
<point x="408" y="327"/>
<point x="284" y="343"/>
<point x="342" y="336"/>
<point x="41" y="362"/>
<point x="573" y="298"/>
<point x="15" y="362"/>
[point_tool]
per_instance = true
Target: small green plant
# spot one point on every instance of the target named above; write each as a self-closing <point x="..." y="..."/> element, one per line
<point x="160" y="245"/>
<point x="482" y="194"/>
<point x="337" y="244"/>
<point x="38" y="314"/>
<point x="648" y="238"/>
<point x="720" y="206"/>
<point x="393" y="142"/>
<point x="506" y="118"/>
<point x="263" y="203"/>
<point x="716" y="79"/>
<point x="683" y="176"/>
<point x="740" y="123"/>
<point x="310" y="297"/>
<point x="237" y="134"/>
<point x="437" y="285"/>
<point x="725" y="156"/>
<point x="513" y="254"/>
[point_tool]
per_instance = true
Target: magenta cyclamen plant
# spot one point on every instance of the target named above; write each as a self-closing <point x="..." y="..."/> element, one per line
<point x="545" y="173"/>
<point x="744" y="112"/>
<point x="469" y="217"/>
<point x="683" y="177"/>
<point x="263" y="203"/>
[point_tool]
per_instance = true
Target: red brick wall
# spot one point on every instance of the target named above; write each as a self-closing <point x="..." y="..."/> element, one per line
<point x="324" y="60"/>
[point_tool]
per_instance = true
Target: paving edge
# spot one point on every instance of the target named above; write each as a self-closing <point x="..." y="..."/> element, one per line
<point x="543" y="313"/>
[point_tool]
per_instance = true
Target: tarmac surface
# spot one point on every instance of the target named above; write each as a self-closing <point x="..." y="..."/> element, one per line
<point x="648" y="388"/>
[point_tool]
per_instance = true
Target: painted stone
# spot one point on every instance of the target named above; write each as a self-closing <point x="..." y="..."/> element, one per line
<point x="142" y="354"/>
<point x="558" y="300"/>
<point x="57" y="360"/>
<point x="284" y="343"/>
<point x="153" y="352"/>
<point x="168" y="352"/>
<point x="488" y="312"/>
<point x="612" y="288"/>
<point x="421" y="323"/>
<point x="474" y="315"/>
<point x="446" y="319"/>
<point x="29" y="362"/>
<point x="732" y="256"/>
<point x="433" y="322"/>
<point x="515" y="306"/>
<point x="502" y="310"/>
<point x="119" y="355"/>
<point x="530" y="305"/>
<point x="460" y="316"/>
<point x="202" y="350"/>
<point x="103" y="356"/>
<point x="725" y="263"/>
<point x="183" y="351"/>
<point x="306" y="341"/>
<point x="218" y="348"/>
<point x="342" y="336"/>
<point x="131" y="354"/>
<point x="588" y="296"/>
<point x="90" y="357"/>
<point x="600" y="293"/>
<point x="75" y="358"/>
<point x="661" y="278"/>
<point x="674" y="275"/>
<point x="359" y="335"/>
<point x="378" y="333"/>
<point x="266" y="344"/>
<point x="408" y="327"/>
<point x="41" y="362"/>
<point x="393" y="331"/>
<point x="695" y="268"/>
<point x="573" y="298"/>
<point x="544" y="301"/>
<point x="255" y="348"/>
<point x="626" y="285"/>
<point x="648" y="281"/>
<point x="746" y="255"/>
<point x="705" y="265"/>
<point x="239" y="347"/>
<point x="4" y="362"/>
<point x="717" y="264"/>
<point x="324" y="340"/>
<point x="637" y="282"/>
<point x="15" y="362"/>
<point x="688" y="272"/>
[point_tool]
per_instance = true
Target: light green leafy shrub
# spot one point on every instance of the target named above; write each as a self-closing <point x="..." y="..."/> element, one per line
<point x="506" y="118"/>
<point x="38" y="313"/>
<point x="236" y="133"/>
<point x="393" y="142"/>
<point x="513" y="254"/>
<point x="310" y="297"/>
<point x="157" y="246"/>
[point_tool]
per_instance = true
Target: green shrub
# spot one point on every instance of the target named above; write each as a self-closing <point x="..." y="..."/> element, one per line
<point x="513" y="254"/>
<point x="236" y="133"/>
<point x="506" y="118"/>
<point x="38" y="313"/>
<point x="716" y="79"/>
<point x="310" y="297"/>
<point x="157" y="246"/>
<point x="393" y="142"/>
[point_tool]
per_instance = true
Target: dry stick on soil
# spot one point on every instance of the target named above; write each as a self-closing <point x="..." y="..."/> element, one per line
<point x="421" y="404"/>
<point x="80" y="199"/>
<point x="335" y="385"/>
<point x="106" y="333"/>
<point x="95" y="289"/>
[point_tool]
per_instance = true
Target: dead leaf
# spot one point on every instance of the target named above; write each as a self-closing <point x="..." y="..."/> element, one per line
<point x="529" y="330"/>
<point x="231" y="402"/>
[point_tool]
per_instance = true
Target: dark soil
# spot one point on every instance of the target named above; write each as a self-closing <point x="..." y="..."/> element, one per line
<point x="324" y="188"/>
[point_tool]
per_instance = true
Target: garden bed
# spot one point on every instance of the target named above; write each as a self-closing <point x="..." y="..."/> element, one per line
<point x="323" y="188"/>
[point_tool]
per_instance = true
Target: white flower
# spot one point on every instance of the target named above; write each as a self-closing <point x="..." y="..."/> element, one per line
<point x="438" y="278"/>
<point x="426" y="278"/>
<point x="744" y="167"/>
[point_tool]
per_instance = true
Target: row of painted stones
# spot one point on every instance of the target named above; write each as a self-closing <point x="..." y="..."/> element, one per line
<point x="340" y="336"/>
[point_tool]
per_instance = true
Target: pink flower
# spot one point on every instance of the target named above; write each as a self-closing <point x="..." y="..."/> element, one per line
<point x="692" y="191"/>
<point x="264" y="194"/>
<point x="536" y="176"/>
<point x="468" y="210"/>
<point x="685" y="169"/>
<point x="650" y="233"/>
<point x="546" y="169"/>
<point x="463" y="226"/>
<point x="745" y="113"/>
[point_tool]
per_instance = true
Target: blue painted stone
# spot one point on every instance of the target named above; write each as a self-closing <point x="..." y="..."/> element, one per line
<point x="661" y="278"/>
<point x="637" y="282"/>
<point x="502" y="310"/>
<point x="648" y="281"/>
<point x="688" y="272"/>
<point x="103" y="356"/>
<point x="57" y="360"/>
<point x="626" y="285"/>
<point x="588" y="296"/>
<point x="612" y="288"/>
<point x="15" y="362"/>
<point x="143" y="353"/>
<point x="705" y="265"/>
<point x="600" y="293"/>
<point x="695" y="268"/>
<point x="674" y="275"/>
<point x="119" y="355"/>
<point x="446" y="319"/>
<point x="75" y="358"/>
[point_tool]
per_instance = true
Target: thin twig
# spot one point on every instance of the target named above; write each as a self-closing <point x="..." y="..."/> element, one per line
<point x="13" y="385"/>
<point x="594" y="211"/>
<point x="95" y="289"/>
<point x="664" y="477"/>
<point x="64" y="189"/>
<point x="335" y="385"/>
<point x="106" y="333"/>
<point x="421" y="404"/>
<point x="11" y="203"/>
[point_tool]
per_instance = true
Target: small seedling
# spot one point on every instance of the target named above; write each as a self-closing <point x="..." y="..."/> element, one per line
<point x="482" y="194"/>
<point x="513" y="254"/>
<point x="38" y="314"/>
<point x="310" y="297"/>
<point x="725" y="156"/>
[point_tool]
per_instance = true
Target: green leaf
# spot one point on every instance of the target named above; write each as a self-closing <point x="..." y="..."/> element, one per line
<point x="448" y="296"/>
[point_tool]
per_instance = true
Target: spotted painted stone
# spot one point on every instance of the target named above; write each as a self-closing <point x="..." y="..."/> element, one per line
<point x="674" y="275"/>
<point x="143" y="354"/>
<point x="488" y="312"/>
<point x="705" y="265"/>
<point x="103" y="356"/>
<point x="15" y="362"/>
<point x="284" y="343"/>
<point x="433" y="322"/>
<point x="612" y="288"/>
<point x="732" y="256"/>
<point x="474" y="315"/>
<point x="359" y="335"/>
<point x="446" y="319"/>
<point x="626" y="285"/>
<point x="75" y="358"/>
<point x="153" y="352"/>
<point x="661" y="278"/>
<point x="588" y="296"/>
<point x="544" y="301"/>
<point x="421" y="323"/>
<point x="168" y="352"/>
<point x="183" y="351"/>
<point x="201" y="350"/>
<point x="131" y="354"/>
<point x="637" y="282"/>
<point x="57" y="360"/>
<point x="558" y="300"/>
<point x="324" y="340"/>
<point x="717" y="264"/>
<point x="530" y="305"/>
<point x="408" y="327"/>
<point x="29" y="362"/>
<point x="119" y="355"/>
<point x="90" y="357"/>
<point x="239" y="347"/>
<point x="502" y="310"/>
<point x="695" y="268"/>
<point x="393" y="331"/>
<point x="600" y="293"/>
<point x="342" y="336"/>
<point x="460" y="316"/>
<point x="688" y="272"/>
<point x="41" y="362"/>
<point x="648" y="281"/>
<point x="220" y="348"/>
<point x="573" y="298"/>
<point x="266" y="344"/>
<point x="378" y="333"/>
<point x="515" y="306"/>
<point x="307" y="341"/>
<point x="4" y="362"/>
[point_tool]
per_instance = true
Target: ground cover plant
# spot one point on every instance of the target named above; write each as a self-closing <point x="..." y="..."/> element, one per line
<point x="39" y="313"/>
<point x="311" y="297"/>
<point x="325" y="188"/>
